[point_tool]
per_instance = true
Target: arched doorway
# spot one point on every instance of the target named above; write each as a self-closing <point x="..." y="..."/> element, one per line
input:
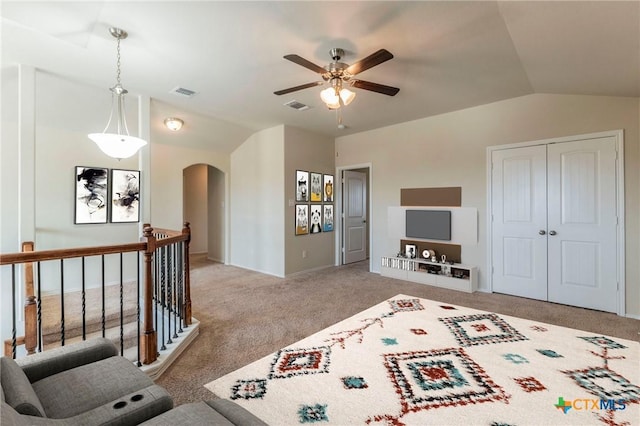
<point x="204" y="208"/>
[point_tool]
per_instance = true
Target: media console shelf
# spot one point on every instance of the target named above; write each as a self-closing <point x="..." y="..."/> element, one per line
<point x="452" y="276"/>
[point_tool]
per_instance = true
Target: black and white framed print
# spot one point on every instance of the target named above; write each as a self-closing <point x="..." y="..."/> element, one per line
<point x="315" y="217"/>
<point x="327" y="218"/>
<point x="91" y="195"/>
<point x="302" y="219"/>
<point x="328" y="188"/>
<point x="316" y="187"/>
<point x="125" y="196"/>
<point x="302" y="185"/>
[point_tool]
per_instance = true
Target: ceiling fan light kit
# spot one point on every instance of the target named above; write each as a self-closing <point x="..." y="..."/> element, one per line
<point x="117" y="143"/>
<point x="336" y="73"/>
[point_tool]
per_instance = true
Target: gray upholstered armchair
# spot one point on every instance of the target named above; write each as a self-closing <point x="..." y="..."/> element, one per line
<point x="81" y="384"/>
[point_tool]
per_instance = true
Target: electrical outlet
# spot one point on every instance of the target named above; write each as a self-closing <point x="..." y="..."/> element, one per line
<point x="304" y="254"/>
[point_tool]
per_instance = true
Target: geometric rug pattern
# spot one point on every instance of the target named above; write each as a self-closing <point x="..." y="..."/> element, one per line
<point x="413" y="361"/>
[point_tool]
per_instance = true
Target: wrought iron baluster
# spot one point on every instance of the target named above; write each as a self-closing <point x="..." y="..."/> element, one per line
<point x="156" y="288"/>
<point x="175" y="290"/>
<point x="163" y="291"/>
<point x="39" y="309"/>
<point x="121" y="307"/>
<point x="84" y="303"/>
<point x="139" y="363"/>
<point x="104" y="318"/>
<point x="169" y="292"/>
<point x="180" y="284"/>
<point x="13" y="311"/>
<point x="61" y="302"/>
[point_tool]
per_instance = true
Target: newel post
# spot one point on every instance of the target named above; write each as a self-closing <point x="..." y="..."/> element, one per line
<point x="148" y="340"/>
<point x="187" y="275"/>
<point x="30" y="304"/>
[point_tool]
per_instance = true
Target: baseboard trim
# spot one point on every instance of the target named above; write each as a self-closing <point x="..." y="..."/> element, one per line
<point x="173" y="351"/>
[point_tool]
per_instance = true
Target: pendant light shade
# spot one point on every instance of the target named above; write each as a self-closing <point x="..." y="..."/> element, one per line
<point x="116" y="142"/>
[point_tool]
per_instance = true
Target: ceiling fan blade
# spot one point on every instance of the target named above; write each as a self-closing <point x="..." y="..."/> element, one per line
<point x="375" y="87"/>
<point x="372" y="60"/>
<point x="307" y="64"/>
<point x="296" y="88"/>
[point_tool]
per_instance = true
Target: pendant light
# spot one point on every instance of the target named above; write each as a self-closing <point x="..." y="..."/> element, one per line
<point x="117" y="144"/>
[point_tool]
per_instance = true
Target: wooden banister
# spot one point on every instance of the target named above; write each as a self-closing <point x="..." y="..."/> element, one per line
<point x="30" y="304"/>
<point x="149" y="340"/>
<point x="186" y="231"/>
<point x="178" y="302"/>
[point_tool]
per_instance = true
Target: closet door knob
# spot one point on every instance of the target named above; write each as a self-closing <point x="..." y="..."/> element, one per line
<point x="541" y="232"/>
<point x="552" y="232"/>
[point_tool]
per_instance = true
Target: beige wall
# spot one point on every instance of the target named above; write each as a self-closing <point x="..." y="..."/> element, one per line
<point x="196" y="207"/>
<point x="313" y="153"/>
<point x="216" y="214"/>
<point x="450" y="150"/>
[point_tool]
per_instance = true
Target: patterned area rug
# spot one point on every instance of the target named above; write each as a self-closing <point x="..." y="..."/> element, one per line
<point x="418" y="362"/>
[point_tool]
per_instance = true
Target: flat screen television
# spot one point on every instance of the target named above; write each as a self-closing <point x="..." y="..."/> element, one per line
<point x="429" y="224"/>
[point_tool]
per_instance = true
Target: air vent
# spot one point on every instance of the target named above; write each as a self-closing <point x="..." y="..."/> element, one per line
<point x="297" y="105"/>
<point x="181" y="91"/>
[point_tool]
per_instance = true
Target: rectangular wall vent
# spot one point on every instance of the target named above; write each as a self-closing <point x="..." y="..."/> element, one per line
<point x="297" y="105"/>
<point x="181" y="91"/>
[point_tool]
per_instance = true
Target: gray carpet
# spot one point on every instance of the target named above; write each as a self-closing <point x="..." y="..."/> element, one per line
<point x="246" y="315"/>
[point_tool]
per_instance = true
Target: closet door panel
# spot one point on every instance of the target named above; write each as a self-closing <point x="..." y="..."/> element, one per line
<point x="582" y="223"/>
<point x="519" y="252"/>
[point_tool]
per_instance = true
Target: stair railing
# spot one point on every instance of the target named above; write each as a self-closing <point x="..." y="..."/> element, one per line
<point x="163" y="284"/>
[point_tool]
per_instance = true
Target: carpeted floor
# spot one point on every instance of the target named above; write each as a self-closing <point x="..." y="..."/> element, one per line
<point x="246" y="315"/>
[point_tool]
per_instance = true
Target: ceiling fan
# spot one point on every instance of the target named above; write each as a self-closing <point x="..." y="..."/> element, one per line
<point x="338" y="73"/>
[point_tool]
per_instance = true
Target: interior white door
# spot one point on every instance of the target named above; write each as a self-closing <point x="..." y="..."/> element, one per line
<point x="519" y="221"/>
<point x="583" y="222"/>
<point x="354" y="190"/>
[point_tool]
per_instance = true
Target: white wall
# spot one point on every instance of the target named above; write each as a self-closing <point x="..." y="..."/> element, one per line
<point x="450" y="150"/>
<point x="257" y="203"/>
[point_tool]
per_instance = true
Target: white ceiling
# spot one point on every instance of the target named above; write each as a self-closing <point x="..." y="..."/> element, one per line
<point x="449" y="55"/>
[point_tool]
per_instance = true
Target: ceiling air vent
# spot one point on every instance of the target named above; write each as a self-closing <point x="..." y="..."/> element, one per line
<point x="181" y="91"/>
<point x="297" y="105"/>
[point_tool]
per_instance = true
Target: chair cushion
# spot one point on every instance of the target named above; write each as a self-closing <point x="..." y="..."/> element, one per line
<point x="19" y="392"/>
<point x="235" y="413"/>
<point x="192" y="414"/>
<point x="84" y="388"/>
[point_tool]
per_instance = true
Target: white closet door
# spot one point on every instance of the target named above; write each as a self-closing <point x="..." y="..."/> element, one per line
<point x="519" y="214"/>
<point x="582" y="223"/>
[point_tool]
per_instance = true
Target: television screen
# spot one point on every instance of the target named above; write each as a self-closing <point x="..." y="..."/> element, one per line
<point x="429" y="224"/>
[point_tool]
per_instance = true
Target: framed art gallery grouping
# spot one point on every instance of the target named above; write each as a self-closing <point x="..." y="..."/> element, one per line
<point x="312" y="187"/>
<point x="101" y="193"/>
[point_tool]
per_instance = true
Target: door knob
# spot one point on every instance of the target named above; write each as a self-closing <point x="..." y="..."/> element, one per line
<point x="541" y="232"/>
<point x="552" y="232"/>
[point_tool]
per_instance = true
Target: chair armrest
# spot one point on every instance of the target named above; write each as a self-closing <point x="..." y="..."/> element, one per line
<point x="53" y="361"/>
<point x="155" y="401"/>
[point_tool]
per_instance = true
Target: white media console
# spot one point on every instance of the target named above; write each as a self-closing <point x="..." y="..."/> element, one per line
<point x="452" y="276"/>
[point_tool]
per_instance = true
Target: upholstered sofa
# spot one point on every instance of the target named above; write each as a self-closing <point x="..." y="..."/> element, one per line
<point x="87" y="383"/>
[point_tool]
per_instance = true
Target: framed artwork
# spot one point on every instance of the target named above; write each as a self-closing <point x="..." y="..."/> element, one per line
<point x="328" y="188"/>
<point x="91" y="195"/>
<point x="125" y="196"/>
<point x="316" y="186"/>
<point x="327" y="221"/>
<point x="302" y="219"/>
<point x="410" y="251"/>
<point x="302" y="185"/>
<point x="316" y="219"/>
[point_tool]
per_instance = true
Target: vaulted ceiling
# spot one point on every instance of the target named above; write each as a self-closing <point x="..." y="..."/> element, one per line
<point x="448" y="55"/>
